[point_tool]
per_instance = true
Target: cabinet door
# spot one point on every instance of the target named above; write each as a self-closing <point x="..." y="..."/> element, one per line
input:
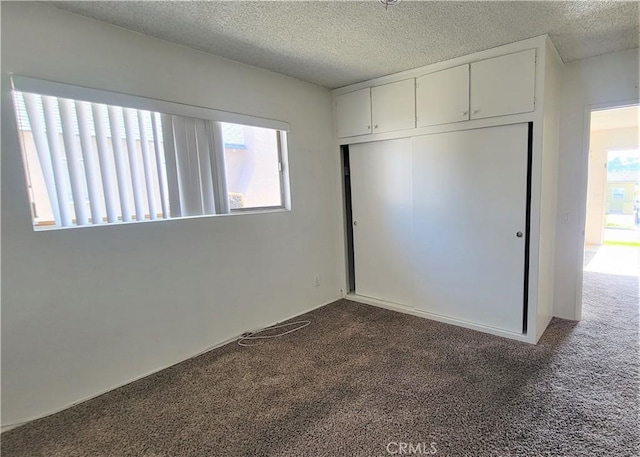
<point x="443" y="97"/>
<point x="394" y="106"/>
<point x="470" y="211"/>
<point x="503" y="85"/>
<point x="353" y="113"/>
<point x="381" y="196"/>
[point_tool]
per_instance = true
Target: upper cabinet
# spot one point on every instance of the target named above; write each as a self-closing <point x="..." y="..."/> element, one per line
<point x="353" y="113"/>
<point x="394" y="106"/>
<point x="498" y="86"/>
<point x="503" y="85"/>
<point x="443" y="97"/>
<point x="391" y="107"/>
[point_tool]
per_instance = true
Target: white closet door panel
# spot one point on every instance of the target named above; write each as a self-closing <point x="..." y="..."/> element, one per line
<point x="469" y="196"/>
<point x="443" y="97"/>
<point x="353" y="113"/>
<point x="503" y="85"/>
<point x="393" y="106"/>
<point x="381" y="194"/>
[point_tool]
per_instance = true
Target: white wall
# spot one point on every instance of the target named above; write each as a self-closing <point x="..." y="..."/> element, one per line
<point x="548" y="188"/>
<point x="85" y="310"/>
<point x="600" y="80"/>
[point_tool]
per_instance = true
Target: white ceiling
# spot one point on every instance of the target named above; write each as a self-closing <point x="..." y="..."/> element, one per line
<point x="336" y="43"/>
<point x="615" y="118"/>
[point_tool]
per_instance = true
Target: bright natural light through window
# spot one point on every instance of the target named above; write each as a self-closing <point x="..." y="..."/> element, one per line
<point x="252" y="159"/>
<point x="159" y="166"/>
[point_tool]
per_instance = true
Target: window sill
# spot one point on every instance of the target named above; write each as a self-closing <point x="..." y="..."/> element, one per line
<point x="45" y="227"/>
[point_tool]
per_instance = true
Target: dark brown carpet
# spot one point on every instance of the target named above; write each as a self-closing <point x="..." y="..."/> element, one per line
<point x="360" y="377"/>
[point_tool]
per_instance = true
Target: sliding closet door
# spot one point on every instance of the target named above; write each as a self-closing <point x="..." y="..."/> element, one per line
<point x="469" y="196"/>
<point x="381" y="196"/>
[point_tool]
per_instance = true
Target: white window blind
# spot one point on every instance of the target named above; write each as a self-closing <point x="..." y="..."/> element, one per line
<point x="94" y="159"/>
<point x="93" y="163"/>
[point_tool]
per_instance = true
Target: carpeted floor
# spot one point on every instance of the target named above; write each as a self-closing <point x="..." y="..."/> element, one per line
<point x="359" y="380"/>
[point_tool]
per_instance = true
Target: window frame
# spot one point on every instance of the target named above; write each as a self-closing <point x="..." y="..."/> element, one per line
<point x="110" y="98"/>
<point x="63" y="90"/>
<point x="281" y="180"/>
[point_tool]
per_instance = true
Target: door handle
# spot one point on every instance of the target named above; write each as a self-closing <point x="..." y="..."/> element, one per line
<point x="519" y="234"/>
<point x="355" y="223"/>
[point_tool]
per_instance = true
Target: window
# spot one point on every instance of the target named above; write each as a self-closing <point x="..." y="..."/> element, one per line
<point x="88" y="162"/>
<point x="252" y="160"/>
<point x="618" y="193"/>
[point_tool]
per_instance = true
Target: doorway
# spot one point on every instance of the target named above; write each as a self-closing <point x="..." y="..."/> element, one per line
<point x="612" y="232"/>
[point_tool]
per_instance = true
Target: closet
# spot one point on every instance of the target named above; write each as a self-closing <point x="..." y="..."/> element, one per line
<point x="448" y="217"/>
<point x="382" y="210"/>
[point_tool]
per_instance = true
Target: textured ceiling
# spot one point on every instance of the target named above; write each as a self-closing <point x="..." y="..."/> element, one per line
<point x="339" y="43"/>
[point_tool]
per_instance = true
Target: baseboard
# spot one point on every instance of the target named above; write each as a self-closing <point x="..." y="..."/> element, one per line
<point x="437" y="317"/>
<point x="5" y="428"/>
